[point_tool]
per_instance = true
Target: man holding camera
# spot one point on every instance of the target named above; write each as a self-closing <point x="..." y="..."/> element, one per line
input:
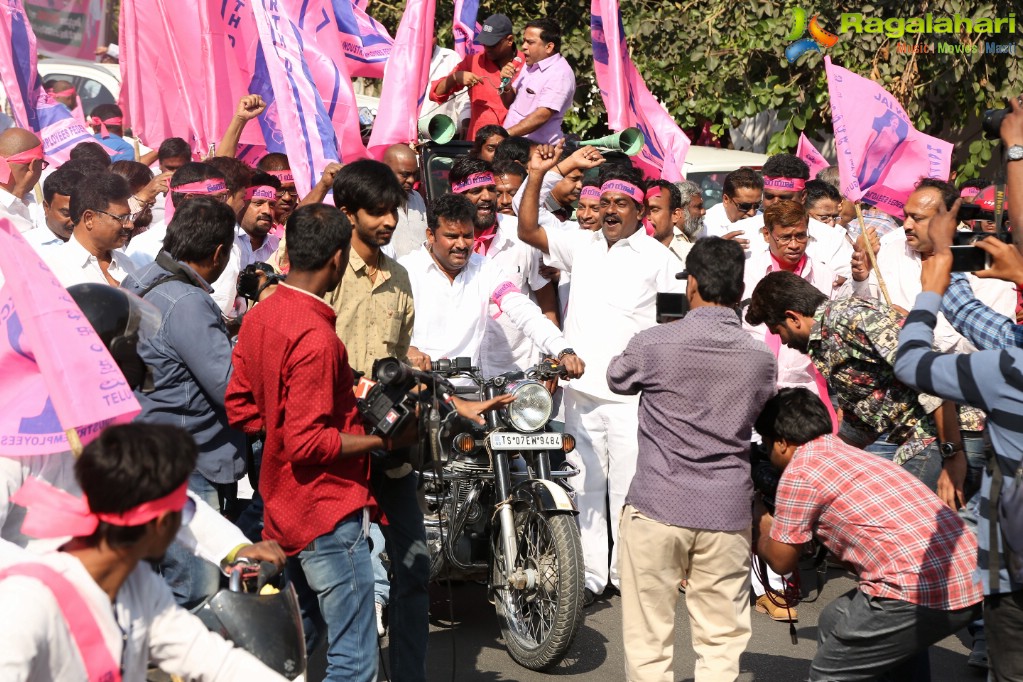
<point x="913" y="556"/>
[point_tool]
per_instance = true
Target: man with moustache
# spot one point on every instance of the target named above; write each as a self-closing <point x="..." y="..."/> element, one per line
<point x="410" y="230"/>
<point x="616" y="275"/>
<point x="541" y="94"/>
<point x="508" y="177"/>
<point x="741" y="195"/>
<point x="277" y="165"/>
<point x="505" y="346"/>
<point x="664" y="211"/>
<point x="252" y="235"/>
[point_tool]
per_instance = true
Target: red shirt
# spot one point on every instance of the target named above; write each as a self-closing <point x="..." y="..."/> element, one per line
<point x="903" y="542"/>
<point x="486" y="107"/>
<point x="292" y="380"/>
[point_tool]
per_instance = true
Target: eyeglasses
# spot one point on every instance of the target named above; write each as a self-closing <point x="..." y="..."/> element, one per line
<point x="746" y="206"/>
<point x="286" y="192"/>
<point x="826" y="218"/>
<point x="800" y="237"/>
<point x="123" y="219"/>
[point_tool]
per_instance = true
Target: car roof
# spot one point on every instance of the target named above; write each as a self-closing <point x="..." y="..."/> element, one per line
<point x="715" y="159"/>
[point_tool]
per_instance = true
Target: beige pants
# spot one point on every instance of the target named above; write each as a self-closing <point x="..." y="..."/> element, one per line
<point x="653" y="558"/>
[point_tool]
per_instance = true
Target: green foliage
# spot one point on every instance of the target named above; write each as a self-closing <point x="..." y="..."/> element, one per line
<point x="720" y="61"/>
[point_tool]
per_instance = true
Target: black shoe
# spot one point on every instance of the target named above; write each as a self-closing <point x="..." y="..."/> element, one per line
<point x="978" y="655"/>
<point x="588" y="597"/>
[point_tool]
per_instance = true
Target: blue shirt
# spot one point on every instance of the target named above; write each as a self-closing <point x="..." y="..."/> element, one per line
<point x="985" y="328"/>
<point x="989" y="380"/>
<point x="125" y="152"/>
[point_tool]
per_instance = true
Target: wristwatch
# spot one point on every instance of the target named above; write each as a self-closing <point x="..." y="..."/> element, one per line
<point x="1014" y="153"/>
<point x="567" y="351"/>
<point x="948" y="450"/>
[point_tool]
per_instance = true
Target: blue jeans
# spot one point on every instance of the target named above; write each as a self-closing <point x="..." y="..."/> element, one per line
<point x="926" y="466"/>
<point x="409" y="609"/>
<point x="337" y="568"/>
<point x="190" y="578"/>
<point x="381" y="583"/>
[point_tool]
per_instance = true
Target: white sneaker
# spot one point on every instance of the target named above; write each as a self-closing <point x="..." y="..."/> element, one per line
<point x="381" y="631"/>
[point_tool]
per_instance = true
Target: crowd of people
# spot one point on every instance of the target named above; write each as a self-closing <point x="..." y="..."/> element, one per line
<point x="882" y="388"/>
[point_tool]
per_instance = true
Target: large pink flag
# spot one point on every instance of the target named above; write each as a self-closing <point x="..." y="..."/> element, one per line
<point x="57" y="374"/>
<point x="628" y="102"/>
<point x="405" y="79"/>
<point x="881" y="156"/>
<point x="364" y="40"/>
<point x="809" y="154"/>
<point x="465" y="28"/>
<point x="18" y="74"/>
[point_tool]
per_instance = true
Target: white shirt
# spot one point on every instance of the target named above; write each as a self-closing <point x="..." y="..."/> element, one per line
<point x="826" y="246"/>
<point x="73" y="264"/>
<point x="410" y="230"/>
<point x="15" y="210"/>
<point x="794" y="367"/>
<point x="142" y="625"/>
<point x="225" y="289"/>
<point x="144" y="248"/>
<point x="42" y="239"/>
<point x="613" y="296"/>
<point x="900" y="267"/>
<point x="716" y="222"/>
<point x="452" y="316"/>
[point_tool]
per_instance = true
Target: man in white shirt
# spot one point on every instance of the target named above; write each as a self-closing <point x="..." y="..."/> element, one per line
<point x="21" y="165"/>
<point x="505" y="345"/>
<point x="410" y="231"/>
<point x="785" y="178"/>
<point x="456" y="291"/>
<point x="99" y="209"/>
<point x="96" y="608"/>
<point x="664" y="211"/>
<point x="53" y="225"/>
<point x="741" y="195"/>
<point x="616" y="275"/>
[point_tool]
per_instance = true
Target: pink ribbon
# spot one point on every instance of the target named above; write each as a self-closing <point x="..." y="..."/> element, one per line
<point x="53" y="513"/>
<point x="591" y="193"/>
<point x="784" y="184"/>
<point x="622" y="187"/>
<point x="212" y="186"/>
<point x="473" y="181"/>
<point x="481" y="243"/>
<point x="653" y="193"/>
<point x="70" y="92"/>
<point x="261" y="192"/>
<point x="26" y="157"/>
<point x="96" y="122"/>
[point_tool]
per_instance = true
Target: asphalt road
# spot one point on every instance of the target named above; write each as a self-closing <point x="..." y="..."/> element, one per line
<point x="468" y="647"/>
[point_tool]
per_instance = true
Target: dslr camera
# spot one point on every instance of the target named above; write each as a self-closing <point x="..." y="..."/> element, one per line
<point x="255" y="278"/>
<point x="387" y="401"/>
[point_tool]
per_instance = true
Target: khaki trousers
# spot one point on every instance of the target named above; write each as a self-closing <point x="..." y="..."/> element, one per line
<point x="653" y="559"/>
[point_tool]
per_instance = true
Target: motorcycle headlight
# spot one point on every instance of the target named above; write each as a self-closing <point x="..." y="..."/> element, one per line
<point x="532" y="407"/>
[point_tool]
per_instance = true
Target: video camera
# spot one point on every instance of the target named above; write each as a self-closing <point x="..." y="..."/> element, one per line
<point x="251" y="284"/>
<point x="388" y="401"/>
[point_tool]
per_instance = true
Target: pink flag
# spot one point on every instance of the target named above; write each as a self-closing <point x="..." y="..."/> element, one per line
<point x="628" y="102"/>
<point x="809" y="154"/>
<point x="57" y="373"/>
<point x="310" y="140"/>
<point x="364" y="40"/>
<point x="881" y="156"/>
<point x="465" y="28"/>
<point x="408" y="73"/>
<point x="18" y="74"/>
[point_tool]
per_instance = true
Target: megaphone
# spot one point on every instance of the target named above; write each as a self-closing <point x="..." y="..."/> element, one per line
<point x="438" y="128"/>
<point x="629" y="141"/>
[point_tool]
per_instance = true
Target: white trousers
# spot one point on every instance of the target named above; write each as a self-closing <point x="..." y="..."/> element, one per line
<point x="607" y="445"/>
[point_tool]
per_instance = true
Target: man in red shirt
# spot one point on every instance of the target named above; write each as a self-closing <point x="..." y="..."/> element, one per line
<point x="914" y="557"/>
<point x="484" y="74"/>
<point x="292" y="381"/>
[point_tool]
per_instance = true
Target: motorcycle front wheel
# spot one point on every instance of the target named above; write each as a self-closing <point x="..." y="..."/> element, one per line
<point x="538" y="623"/>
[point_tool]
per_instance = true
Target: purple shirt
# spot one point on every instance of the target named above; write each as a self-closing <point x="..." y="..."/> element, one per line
<point x="549" y="83"/>
<point x="704" y="381"/>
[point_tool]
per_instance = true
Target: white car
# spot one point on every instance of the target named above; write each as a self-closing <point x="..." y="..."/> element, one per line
<point x="708" y="166"/>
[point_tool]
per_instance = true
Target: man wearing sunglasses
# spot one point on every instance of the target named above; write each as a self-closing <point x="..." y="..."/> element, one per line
<point x="103" y="223"/>
<point x="741" y="196"/>
<point x="21" y="165"/>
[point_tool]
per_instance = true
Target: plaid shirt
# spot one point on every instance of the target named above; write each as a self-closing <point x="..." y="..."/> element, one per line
<point x="853" y="343"/>
<point x="984" y="327"/>
<point x="901" y="540"/>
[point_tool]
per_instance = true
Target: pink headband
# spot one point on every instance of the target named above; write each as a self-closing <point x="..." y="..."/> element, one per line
<point x="285" y="176"/>
<point x="70" y="92"/>
<point x="653" y="193"/>
<point x="473" y="181"/>
<point x="784" y="184"/>
<point x="202" y="187"/>
<point x="627" y="188"/>
<point x="590" y="193"/>
<point x="53" y="512"/>
<point x="968" y="192"/>
<point x="95" y="121"/>
<point x="27" y="157"/>
<point x="261" y="192"/>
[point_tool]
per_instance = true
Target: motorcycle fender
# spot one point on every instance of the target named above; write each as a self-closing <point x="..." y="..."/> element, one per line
<point x="544" y="496"/>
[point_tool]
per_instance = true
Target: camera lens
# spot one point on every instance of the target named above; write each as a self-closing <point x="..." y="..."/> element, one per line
<point x="992" y="122"/>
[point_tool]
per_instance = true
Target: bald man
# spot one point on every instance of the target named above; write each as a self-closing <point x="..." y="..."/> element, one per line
<point x="63" y="92"/>
<point x="21" y="165"/>
<point x="410" y="232"/>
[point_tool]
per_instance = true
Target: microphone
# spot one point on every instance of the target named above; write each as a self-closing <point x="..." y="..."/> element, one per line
<point x="506" y="81"/>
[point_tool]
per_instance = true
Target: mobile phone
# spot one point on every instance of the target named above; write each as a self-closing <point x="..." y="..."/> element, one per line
<point x="671" y="307"/>
<point x="969" y="259"/>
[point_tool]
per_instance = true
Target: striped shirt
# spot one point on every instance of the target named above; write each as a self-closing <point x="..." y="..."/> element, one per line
<point x="902" y="541"/>
<point x="984" y="327"/>
<point x="960" y="377"/>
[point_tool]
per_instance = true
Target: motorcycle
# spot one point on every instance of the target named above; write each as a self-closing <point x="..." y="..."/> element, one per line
<point x="498" y="512"/>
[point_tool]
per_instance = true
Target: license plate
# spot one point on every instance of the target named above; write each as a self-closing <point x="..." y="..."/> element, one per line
<point x="503" y="440"/>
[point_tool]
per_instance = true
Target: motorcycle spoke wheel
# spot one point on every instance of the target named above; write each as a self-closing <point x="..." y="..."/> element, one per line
<point x="539" y="622"/>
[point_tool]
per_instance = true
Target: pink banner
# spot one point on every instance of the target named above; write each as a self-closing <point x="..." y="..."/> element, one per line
<point x="18" y="74"/>
<point x="628" y="102"/>
<point x="408" y="73"/>
<point x="881" y="156"/>
<point x="57" y="372"/>
<point x="813" y="158"/>
<point x="69" y="28"/>
<point x="364" y="40"/>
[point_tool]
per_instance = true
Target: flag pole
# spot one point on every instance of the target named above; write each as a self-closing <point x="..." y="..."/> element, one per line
<point x="870" y="254"/>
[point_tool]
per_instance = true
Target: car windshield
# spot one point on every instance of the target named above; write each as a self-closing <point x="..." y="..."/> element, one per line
<point x="91" y="92"/>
